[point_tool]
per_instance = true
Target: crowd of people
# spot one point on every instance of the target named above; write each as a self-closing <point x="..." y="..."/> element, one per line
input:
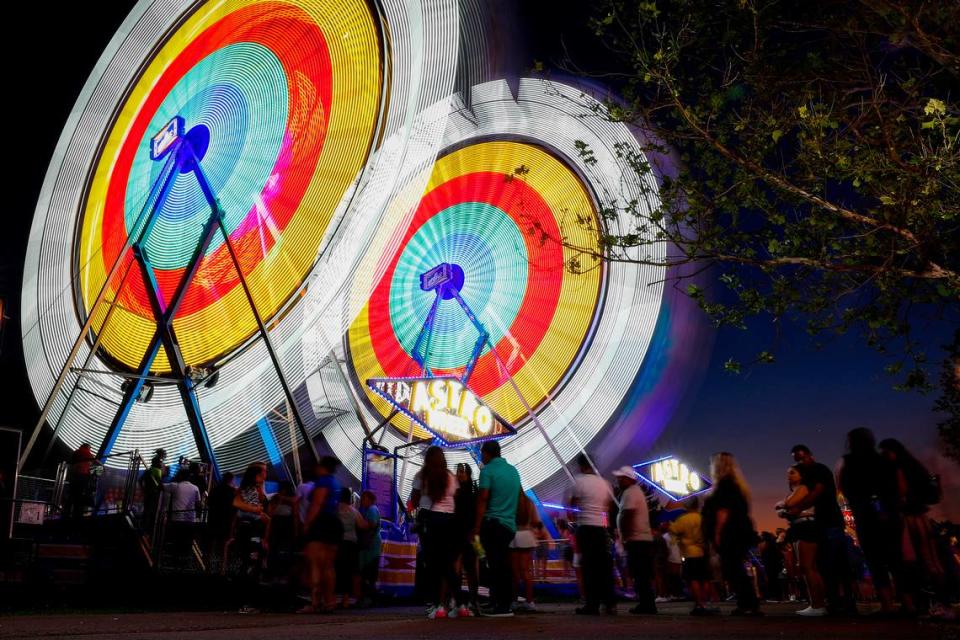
<point x="894" y="548"/>
<point x="614" y="535"/>
<point x="702" y="549"/>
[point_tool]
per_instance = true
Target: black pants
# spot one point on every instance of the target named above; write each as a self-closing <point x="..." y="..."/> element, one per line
<point x="732" y="564"/>
<point x="468" y="567"/>
<point x="596" y="564"/>
<point x="496" y="538"/>
<point x="439" y="539"/>
<point x="369" y="574"/>
<point x="835" y="569"/>
<point x="249" y="545"/>
<point x="640" y="562"/>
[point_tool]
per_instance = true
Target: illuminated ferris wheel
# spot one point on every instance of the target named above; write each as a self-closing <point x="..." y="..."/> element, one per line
<point x="203" y="184"/>
<point x="241" y="207"/>
<point x="513" y="203"/>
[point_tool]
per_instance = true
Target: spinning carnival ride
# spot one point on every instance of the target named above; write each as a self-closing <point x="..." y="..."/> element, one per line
<point x="515" y="205"/>
<point x="339" y="166"/>
<point x="294" y="99"/>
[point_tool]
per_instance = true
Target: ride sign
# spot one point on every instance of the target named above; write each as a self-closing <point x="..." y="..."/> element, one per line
<point x="672" y="477"/>
<point x="443" y="406"/>
<point x="161" y="143"/>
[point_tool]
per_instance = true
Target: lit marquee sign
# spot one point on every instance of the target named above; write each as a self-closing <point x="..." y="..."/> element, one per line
<point x="161" y="143"/>
<point x="438" y="276"/>
<point x="672" y="477"/>
<point x="444" y="406"/>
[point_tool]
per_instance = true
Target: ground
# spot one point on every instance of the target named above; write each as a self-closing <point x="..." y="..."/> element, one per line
<point x="552" y="621"/>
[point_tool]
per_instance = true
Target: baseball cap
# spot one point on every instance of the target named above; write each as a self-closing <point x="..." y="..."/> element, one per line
<point x="625" y="472"/>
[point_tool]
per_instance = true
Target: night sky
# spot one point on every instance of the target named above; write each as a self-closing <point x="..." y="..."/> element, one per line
<point x="809" y="395"/>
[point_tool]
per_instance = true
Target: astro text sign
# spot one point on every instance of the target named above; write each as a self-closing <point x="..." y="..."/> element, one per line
<point x="672" y="477"/>
<point x="444" y="406"/>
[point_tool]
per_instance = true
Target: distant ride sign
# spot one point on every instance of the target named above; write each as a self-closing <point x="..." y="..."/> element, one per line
<point x="672" y="477"/>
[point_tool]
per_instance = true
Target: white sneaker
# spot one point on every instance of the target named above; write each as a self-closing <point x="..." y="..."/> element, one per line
<point x="661" y="600"/>
<point x="462" y="612"/>
<point x="437" y="612"/>
<point x="812" y="612"/>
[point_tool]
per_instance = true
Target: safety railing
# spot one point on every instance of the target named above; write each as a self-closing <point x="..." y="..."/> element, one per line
<point x="553" y="562"/>
<point x="110" y="486"/>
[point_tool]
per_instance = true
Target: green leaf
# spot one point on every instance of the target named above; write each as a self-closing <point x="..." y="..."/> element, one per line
<point x="649" y="9"/>
<point x="765" y="357"/>
<point x="935" y="107"/>
<point x="776" y="134"/>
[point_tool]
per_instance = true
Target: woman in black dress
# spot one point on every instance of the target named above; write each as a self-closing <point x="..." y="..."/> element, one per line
<point x="728" y="526"/>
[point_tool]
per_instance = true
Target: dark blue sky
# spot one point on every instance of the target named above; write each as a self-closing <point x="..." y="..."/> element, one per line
<point x="810" y="396"/>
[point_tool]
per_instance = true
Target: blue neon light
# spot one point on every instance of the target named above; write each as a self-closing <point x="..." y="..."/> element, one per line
<point x="559" y="507"/>
<point x="269" y="441"/>
<point x="707" y="484"/>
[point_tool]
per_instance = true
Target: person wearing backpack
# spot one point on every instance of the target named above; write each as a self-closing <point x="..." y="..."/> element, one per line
<point x="917" y="489"/>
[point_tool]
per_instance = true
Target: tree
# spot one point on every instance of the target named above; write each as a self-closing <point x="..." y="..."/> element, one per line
<point x="949" y="400"/>
<point x="817" y="147"/>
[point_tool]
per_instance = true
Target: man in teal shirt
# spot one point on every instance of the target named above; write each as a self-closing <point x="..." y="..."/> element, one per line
<point x="496" y="524"/>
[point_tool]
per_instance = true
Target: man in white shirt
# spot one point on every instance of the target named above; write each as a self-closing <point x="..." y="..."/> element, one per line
<point x="592" y="499"/>
<point x="184" y="498"/>
<point x="633" y="521"/>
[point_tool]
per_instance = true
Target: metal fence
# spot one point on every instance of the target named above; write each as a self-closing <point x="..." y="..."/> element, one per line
<point x="108" y="489"/>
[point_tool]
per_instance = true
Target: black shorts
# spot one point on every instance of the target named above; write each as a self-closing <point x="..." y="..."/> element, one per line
<point x="805" y="530"/>
<point x="327" y="529"/>
<point x="696" y="569"/>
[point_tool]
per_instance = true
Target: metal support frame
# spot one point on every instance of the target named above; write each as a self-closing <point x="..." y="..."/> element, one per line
<point x="354" y="402"/>
<point x="214" y="203"/>
<point x="181" y="158"/>
<point x="452" y="290"/>
<point x="85" y="367"/>
<point x="164" y="182"/>
<point x="165" y="336"/>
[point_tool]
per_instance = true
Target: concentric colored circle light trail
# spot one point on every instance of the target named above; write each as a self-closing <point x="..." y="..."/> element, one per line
<point x="495" y="209"/>
<point x="290" y="94"/>
<point x="295" y="103"/>
<point x="515" y="204"/>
